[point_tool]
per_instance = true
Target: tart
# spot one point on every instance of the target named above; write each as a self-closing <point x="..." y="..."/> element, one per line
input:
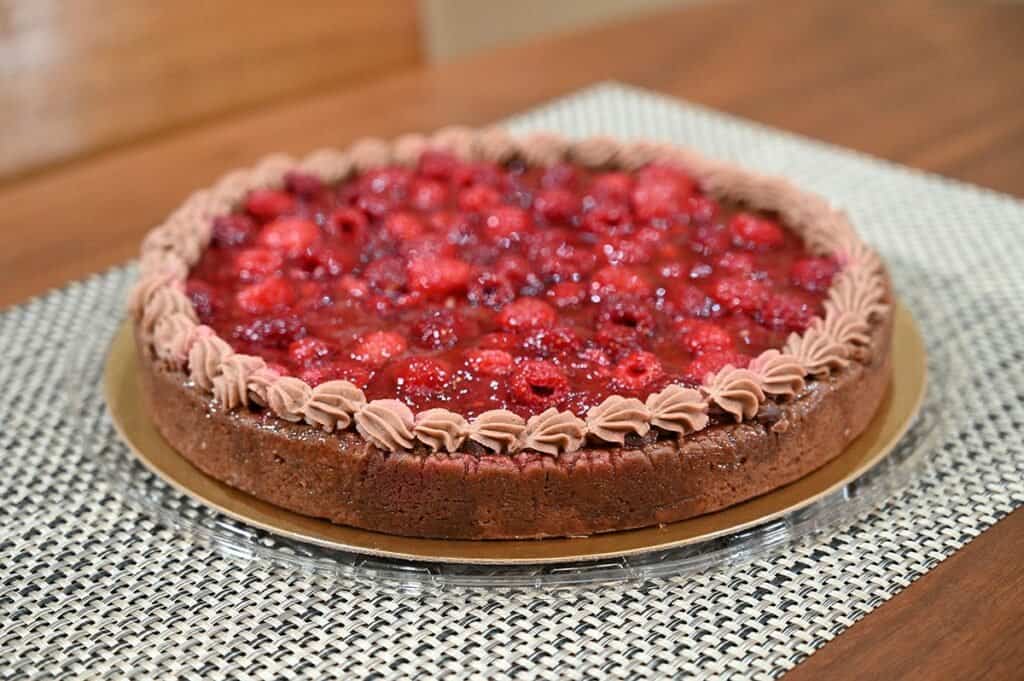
<point x="477" y="336"/>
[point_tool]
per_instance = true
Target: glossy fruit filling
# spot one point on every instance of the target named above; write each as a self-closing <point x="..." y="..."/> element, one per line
<point x="476" y="286"/>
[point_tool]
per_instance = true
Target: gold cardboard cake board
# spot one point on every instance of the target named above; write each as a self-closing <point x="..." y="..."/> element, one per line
<point x="899" y="406"/>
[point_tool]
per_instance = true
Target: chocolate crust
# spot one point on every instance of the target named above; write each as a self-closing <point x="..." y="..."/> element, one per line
<point x="342" y="478"/>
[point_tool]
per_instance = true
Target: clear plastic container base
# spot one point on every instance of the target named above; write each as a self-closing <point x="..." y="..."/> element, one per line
<point x="151" y="495"/>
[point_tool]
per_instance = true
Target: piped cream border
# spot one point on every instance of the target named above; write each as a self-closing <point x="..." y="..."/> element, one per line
<point x="168" y="323"/>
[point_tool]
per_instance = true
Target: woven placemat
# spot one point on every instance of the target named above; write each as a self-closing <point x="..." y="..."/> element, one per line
<point x="90" y="587"/>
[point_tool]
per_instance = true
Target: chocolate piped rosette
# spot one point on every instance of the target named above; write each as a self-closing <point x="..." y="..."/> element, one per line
<point x="474" y="335"/>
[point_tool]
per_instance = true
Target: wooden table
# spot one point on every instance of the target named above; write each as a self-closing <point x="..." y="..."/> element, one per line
<point x="933" y="85"/>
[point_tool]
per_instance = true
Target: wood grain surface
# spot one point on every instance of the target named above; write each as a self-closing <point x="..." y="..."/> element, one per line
<point x="929" y="84"/>
<point x="85" y="75"/>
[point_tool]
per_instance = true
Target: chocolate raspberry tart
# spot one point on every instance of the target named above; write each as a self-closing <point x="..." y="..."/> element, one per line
<point x="476" y="336"/>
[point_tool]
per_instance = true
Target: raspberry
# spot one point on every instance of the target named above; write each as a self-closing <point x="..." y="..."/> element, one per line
<point x="271" y="332"/>
<point x="703" y="336"/>
<point x="437" y="330"/>
<point x="478" y="198"/>
<point x="608" y="219"/>
<point x="403" y="226"/>
<point x="557" y="342"/>
<point x="790" y="311"/>
<point x="562" y="175"/>
<point x="660" y="193"/>
<point x="392" y="181"/>
<point x="736" y="262"/>
<point x="736" y="293"/>
<point x="376" y="205"/>
<point x="426" y="194"/>
<point x="232" y="230"/>
<point x="813" y="274"/>
<point x="437" y="165"/>
<point x="635" y="250"/>
<point x="711" y="240"/>
<point x="314" y="295"/>
<point x="347" y="224"/>
<point x="502" y="222"/>
<point x="538" y="384"/>
<point x="566" y="263"/>
<point x="337" y="371"/>
<point x="750" y="231"/>
<point x="449" y="222"/>
<point x="689" y="301"/>
<point x="613" y="186"/>
<point x="497" y="341"/>
<point x="489" y="362"/>
<point x="483" y="173"/>
<point x="438" y="277"/>
<point x="309" y="351"/>
<point x="556" y="205"/>
<point x="638" y="371"/>
<point x="386" y="274"/>
<point x="567" y="294"/>
<point x="751" y="336"/>
<point x="629" y="312"/>
<point x="490" y="290"/>
<point x="322" y="262"/>
<point x="204" y="299"/>
<point x="290" y="235"/>
<point x="303" y="184"/>
<point x="263" y="297"/>
<point x="421" y="378"/>
<point x="611" y="280"/>
<point x="713" y="362"/>
<point x="527" y="314"/>
<point x="427" y="246"/>
<point x="701" y="209"/>
<point x="352" y="287"/>
<point x="618" y="340"/>
<point x="254" y="264"/>
<point x="268" y="204"/>
<point x="514" y="269"/>
<point x="595" y="358"/>
<point x="378" y="348"/>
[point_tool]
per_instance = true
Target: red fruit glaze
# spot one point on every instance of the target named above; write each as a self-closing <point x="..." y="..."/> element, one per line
<point x="526" y="314"/>
<point x="378" y="348"/>
<point x="489" y="362"/>
<point x="267" y="204"/>
<point x="813" y="274"/>
<point x="751" y="231"/>
<point x="701" y="336"/>
<point x="265" y="296"/>
<point x="473" y="286"/>
<point x="290" y="236"/>
<point x="537" y="385"/>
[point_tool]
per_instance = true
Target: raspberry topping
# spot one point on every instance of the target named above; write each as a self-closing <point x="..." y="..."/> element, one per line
<point x="538" y="384"/>
<point x="378" y="348"/>
<point x="267" y="204"/>
<point x="638" y="371"/>
<point x="291" y="236"/>
<point x="475" y="286"/>
<point x="813" y="274"/>
<point x="750" y="231"/>
<point x="263" y="297"/>
<point x="527" y="313"/>
<point x="702" y="336"/>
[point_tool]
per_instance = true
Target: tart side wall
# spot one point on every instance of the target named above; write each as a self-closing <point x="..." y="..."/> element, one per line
<point x="344" y="479"/>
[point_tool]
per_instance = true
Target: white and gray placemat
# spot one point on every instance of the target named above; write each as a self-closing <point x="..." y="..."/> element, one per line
<point x="91" y="587"/>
